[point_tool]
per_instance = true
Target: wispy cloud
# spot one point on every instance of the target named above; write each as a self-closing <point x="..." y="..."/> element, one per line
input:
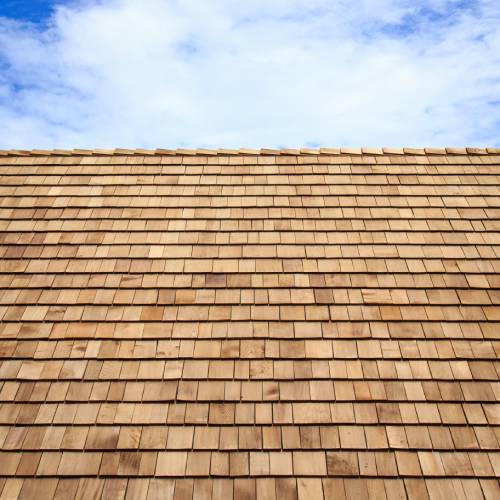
<point x="158" y="73"/>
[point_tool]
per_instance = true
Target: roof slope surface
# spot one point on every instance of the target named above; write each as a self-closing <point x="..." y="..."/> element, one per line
<point x="216" y="324"/>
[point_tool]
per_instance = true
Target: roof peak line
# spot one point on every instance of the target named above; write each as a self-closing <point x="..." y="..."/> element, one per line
<point x="252" y="152"/>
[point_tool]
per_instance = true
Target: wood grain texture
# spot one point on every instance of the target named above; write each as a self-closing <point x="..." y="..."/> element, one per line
<point x="250" y="323"/>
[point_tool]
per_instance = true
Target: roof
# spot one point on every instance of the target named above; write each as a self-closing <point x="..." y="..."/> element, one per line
<point x="239" y="323"/>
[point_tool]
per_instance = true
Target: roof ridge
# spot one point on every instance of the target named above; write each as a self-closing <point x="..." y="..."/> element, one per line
<point x="253" y="152"/>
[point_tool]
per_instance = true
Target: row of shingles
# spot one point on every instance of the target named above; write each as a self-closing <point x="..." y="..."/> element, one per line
<point x="408" y="403"/>
<point x="300" y="297"/>
<point x="258" y="359"/>
<point x="241" y="330"/>
<point x="256" y="380"/>
<point x="204" y="233"/>
<point x="333" y="196"/>
<point x="315" y="199"/>
<point x="14" y="242"/>
<point x="389" y="210"/>
<point x="251" y="251"/>
<point x="344" y="198"/>
<point x="252" y="156"/>
<point x="332" y="265"/>
<point x="205" y="313"/>
<point x="183" y="489"/>
<point x="286" y="218"/>
<point x="234" y="230"/>
<point x="321" y="266"/>
<point x="248" y="183"/>
<point x="237" y="174"/>
<point x="62" y="310"/>
<point x="251" y="464"/>
<point x="253" y="152"/>
<point x="366" y="349"/>
<point x="247" y="175"/>
<point x="348" y="225"/>
<point x="441" y="158"/>
<point x="248" y="178"/>
<point x="326" y="206"/>
<point x="223" y="166"/>
<point x="279" y="184"/>
<point x="223" y="232"/>
<point x="141" y="226"/>
<point x="217" y="403"/>
<point x="256" y="180"/>
<point x="282" y="167"/>
<point x="285" y="196"/>
<point x="407" y="247"/>
<point x="268" y="488"/>
<point x="243" y="413"/>
<point x="444" y="360"/>
<point x="25" y="286"/>
<point x="445" y="196"/>
<point x="181" y="281"/>
<point x="74" y="160"/>
<point x="359" y="437"/>
<point x="253" y="382"/>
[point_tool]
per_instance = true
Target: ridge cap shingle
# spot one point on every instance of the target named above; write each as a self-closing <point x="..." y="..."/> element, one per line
<point x="388" y="151"/>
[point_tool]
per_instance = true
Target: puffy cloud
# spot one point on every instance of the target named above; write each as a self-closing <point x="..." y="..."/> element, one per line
<point x="180" y="73"/>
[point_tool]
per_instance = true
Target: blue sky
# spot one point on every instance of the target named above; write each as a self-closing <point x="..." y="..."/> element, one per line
<point x="32" y="10"/>
<point x="286" y="73"/>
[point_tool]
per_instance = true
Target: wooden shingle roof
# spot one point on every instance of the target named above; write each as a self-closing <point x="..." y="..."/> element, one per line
<point x="197" y="324"/>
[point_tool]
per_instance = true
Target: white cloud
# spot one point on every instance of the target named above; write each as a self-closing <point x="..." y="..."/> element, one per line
<point x="172" y="73"/>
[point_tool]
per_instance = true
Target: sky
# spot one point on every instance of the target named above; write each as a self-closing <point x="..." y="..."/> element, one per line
<point x="239" y="73"/>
